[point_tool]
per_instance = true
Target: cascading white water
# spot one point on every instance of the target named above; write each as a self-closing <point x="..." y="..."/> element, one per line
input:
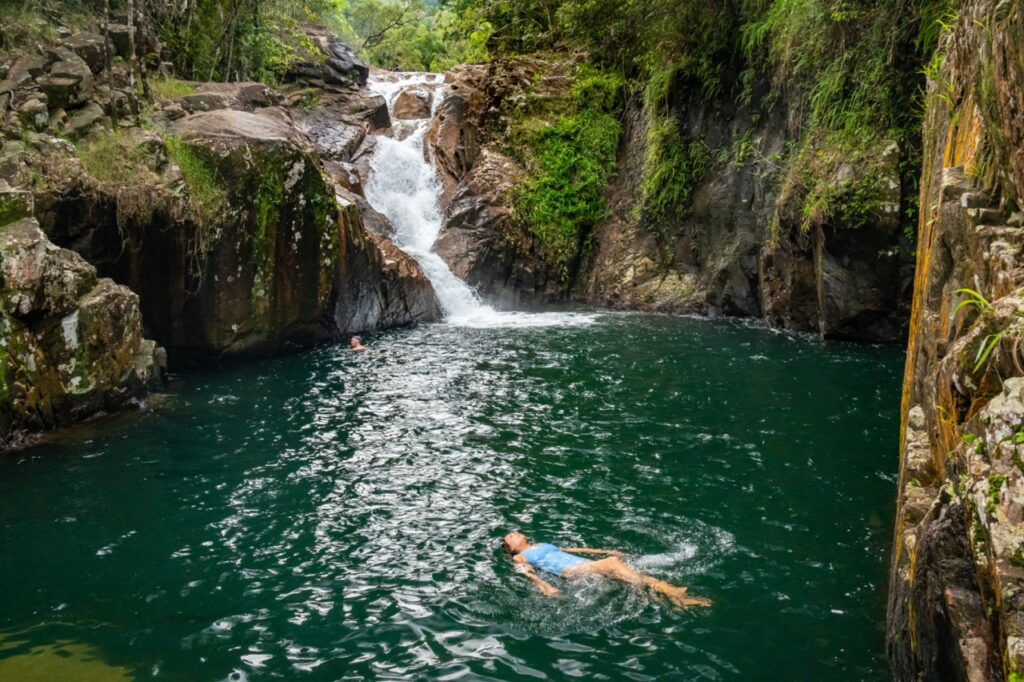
<point x="404" y="186"/>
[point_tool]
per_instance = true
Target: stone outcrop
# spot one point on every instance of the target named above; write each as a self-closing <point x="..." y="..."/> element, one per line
<point x="56" y="88"/>
<point x="737" y="249"/>
<point x="331" y="66"/>
<point x="956" y="595"/>
<point x="376" y="284"/>
<point x="472" y="241"/>
<point x="71" y="344"/>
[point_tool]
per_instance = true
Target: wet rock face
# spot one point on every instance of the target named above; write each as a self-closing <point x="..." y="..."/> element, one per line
<point x="956" y="592"/>
<point x="377" y="285"/>
<point x="477" y="222"/>
<point x="414" y="103"/>
<point x="722" y="255"/>
<point x="71" y="344"/>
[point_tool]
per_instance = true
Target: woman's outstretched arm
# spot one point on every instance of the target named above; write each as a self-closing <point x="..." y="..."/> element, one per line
<point x="594" y="552"/>
<point x="547" y="589"/>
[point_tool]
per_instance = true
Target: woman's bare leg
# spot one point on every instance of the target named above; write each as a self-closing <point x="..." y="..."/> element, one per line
<point x="614" y="569"/>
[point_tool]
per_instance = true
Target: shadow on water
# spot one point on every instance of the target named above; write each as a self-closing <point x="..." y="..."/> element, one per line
<point x="336" y="515"/>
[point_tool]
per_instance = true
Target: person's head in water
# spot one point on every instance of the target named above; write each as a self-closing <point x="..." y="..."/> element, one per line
<point x="514" y="543"/>
<point x="356" y="343"/>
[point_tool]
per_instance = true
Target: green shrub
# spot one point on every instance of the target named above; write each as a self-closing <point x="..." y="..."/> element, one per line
<point x="570" y="164"/>
<point x="672" y="169"/>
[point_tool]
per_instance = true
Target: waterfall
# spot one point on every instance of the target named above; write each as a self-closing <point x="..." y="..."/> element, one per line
<point x="404" y="186"/>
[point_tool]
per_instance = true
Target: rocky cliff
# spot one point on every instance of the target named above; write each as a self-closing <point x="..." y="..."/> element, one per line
<point x="956" y="600"/>
<point x="740" y="244"/>
<point x="221" y="211"/>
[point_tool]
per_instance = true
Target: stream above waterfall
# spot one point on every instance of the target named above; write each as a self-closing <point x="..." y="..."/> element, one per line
<point x="336" y="515"/>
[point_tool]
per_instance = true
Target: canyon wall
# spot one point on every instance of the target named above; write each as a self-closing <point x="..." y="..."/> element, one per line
<point x="956" y="599"/>
<point x="740" y="246"/>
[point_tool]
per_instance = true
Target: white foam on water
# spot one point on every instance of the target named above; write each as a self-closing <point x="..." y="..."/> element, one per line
<point x="404" y="186"/>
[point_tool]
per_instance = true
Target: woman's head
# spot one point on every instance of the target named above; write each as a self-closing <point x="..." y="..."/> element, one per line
<point x="514" y="543"/>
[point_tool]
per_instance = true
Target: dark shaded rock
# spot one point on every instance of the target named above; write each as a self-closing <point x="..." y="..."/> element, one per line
<point x="70" y="345"/>
<point x="378" y="286"/>
<point x="67" y="84"/>
<point x="89" y="48"/>
<point x="332" y="65"/>
<point x="942" y="613"/>
<point x="263" y="276"/>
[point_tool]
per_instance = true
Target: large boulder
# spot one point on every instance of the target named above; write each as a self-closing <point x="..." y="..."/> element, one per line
<point x="377" y="284"/>
<point x="89" y="48"/>
<point x="340" y="122"/>
<point x="252" y="271"/>
<point x="477" y="223"/>
<point x="331" y="64"/>
<point x="413" y="103"/>
<point x="71" y="344"/>
<point x="241" y="96"/>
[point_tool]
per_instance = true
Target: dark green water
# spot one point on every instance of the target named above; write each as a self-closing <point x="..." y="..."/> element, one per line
<point x="336" y="515"/>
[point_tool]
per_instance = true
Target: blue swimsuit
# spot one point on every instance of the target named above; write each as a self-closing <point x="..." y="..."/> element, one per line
<point x="551" y="559"/>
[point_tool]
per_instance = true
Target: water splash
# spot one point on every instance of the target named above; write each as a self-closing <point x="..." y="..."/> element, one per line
<point x="404" y="186"/>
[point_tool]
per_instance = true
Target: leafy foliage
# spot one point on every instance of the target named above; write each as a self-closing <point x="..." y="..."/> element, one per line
<point x="236" y="39"/>
<point x="672" y="168"/>
<point x="414" y="35"/>
<point x="849" y="71"/>
<point x="570" y="164"/>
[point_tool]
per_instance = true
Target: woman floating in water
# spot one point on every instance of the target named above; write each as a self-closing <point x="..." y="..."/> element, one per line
<point x="563" y="562"/>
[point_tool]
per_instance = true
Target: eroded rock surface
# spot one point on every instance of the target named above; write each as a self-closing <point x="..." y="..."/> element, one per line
<point x="736" y="250"/>
<point x="71" y="344"/>
<point x="377" y="284"/>
<point x="956" y="594"/>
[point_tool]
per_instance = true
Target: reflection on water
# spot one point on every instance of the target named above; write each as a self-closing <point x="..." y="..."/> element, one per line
<point x="337" y="515"/>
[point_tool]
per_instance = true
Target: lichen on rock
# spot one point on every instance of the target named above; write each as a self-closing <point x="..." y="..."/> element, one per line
<point x="71" y="344"/>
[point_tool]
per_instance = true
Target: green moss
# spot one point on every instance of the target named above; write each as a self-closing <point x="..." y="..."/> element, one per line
<point x="5" y="391"/>
<point x="268" y="202"/>
<point x="14" y="206"/>
<point x="815" y="193"/>
<point x="570" y="165"/>
<point x="995" y="489"/>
